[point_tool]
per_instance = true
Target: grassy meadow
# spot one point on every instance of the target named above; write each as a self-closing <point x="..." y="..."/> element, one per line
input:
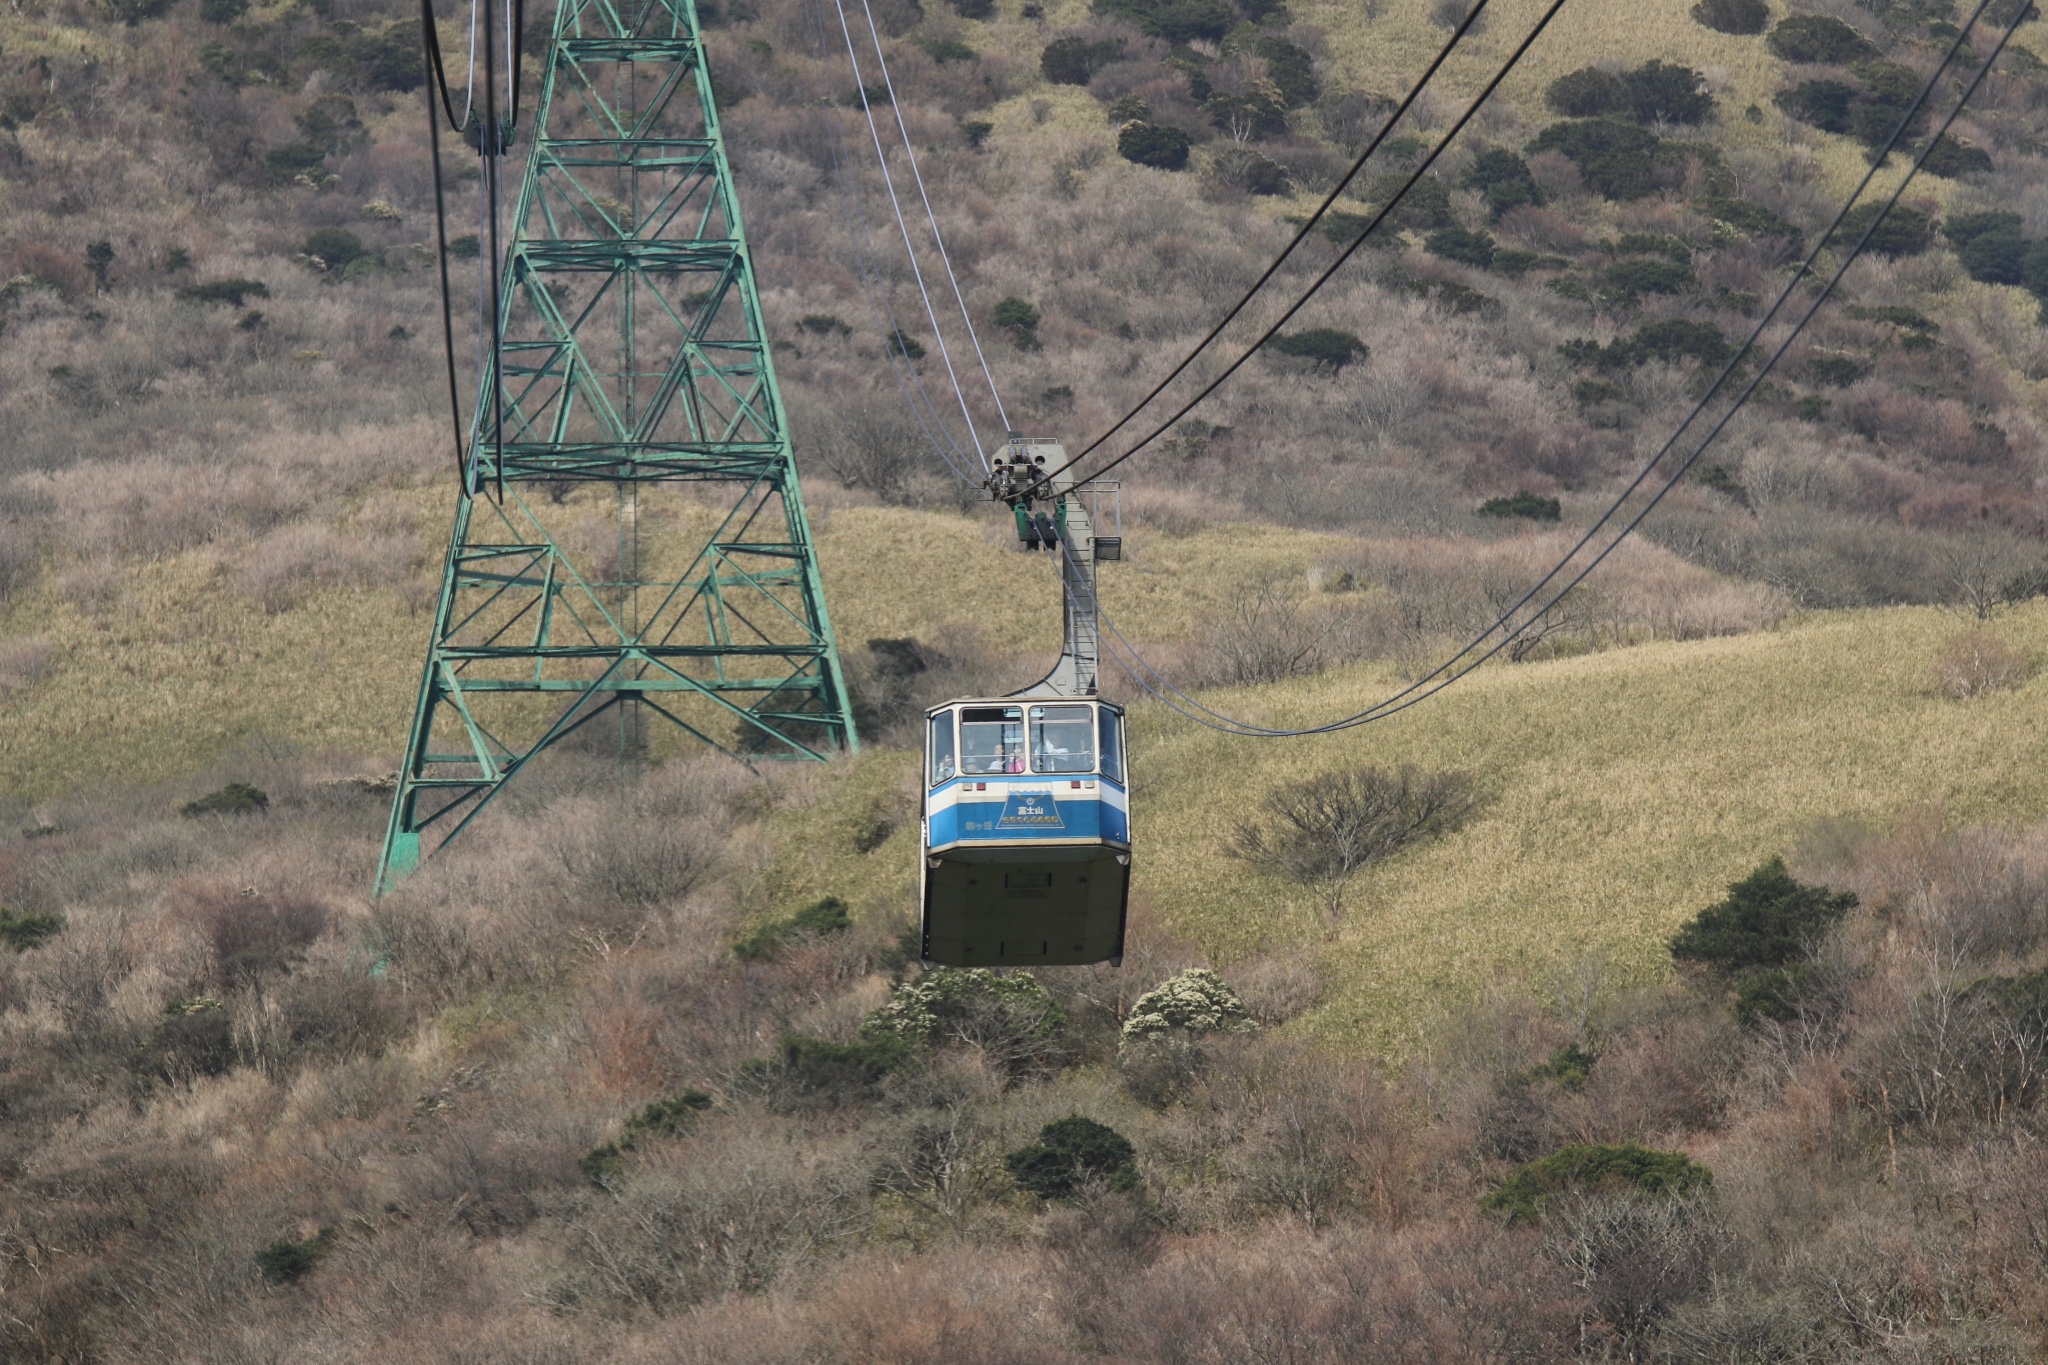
<point x="1624" y="787"/>
<point x="1625" y="790"/>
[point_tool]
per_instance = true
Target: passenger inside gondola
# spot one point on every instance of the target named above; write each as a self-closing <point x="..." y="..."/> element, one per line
<point x="992" y="739"/>
<point x="1062" y="739"/>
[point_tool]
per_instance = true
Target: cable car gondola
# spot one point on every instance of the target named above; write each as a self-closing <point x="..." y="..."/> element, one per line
<point x="1027" y="823"/>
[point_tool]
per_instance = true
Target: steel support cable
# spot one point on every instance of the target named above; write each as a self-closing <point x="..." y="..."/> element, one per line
<point x="868" y="270"/>
<point x="1301" y="233"/>
<point x="438" y="92"/>
<point x="489" y="144"/>
<point x="1437" y="680"/>
<point x="938" y="239"/>
<point x="916" y="271"/>
<point x="1379" y="216"/>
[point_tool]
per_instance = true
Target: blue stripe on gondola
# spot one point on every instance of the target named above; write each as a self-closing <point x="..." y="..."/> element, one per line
<point x="1009" y="813"/>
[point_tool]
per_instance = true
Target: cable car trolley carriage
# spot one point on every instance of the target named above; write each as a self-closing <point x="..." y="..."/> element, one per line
<point x="1027" y="814"/>
<point x="1027" y="833"/>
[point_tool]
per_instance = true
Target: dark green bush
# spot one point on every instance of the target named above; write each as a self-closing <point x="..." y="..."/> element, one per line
<point x="1661" y="92"/>
<point x="1834" y="371"/>
<point x="974" y="9"/>
<point x="1504" y="179"/>
<point x="1588" y="92"/>
<point x="1291" y="69"/>
<point x="1461" y="245"/>
<point x="1996" y="257"/>
<point x="195" y="1038"/>
<point x="1818" y="38"/>
<point x="1964" y="228"/>
<point x="1522" y="504"/>
<point x="1822" y="104"/>
<point x="1752" y="220"/>
<point x="976" y="131"/>
<point x="905" y="345"/>
<point x="1151" y="144"/>
<point x="236" y="798"/>
<point x="943" y="50"/>
<point x="1424" y="207"/>
<point x="2033" y="273"/>
<point x="1071" y="1152"/>
<point x="224" y="291"/>
<point x="1256" y="115"/>
<point x="332" y="247"/>
<point x="284" y="1262"/>
<point x="293" y="159"/>
<point x="1015" y="313"/>
<point x="603" y="1166"/>
<point x="669" y="1118"/>
<point x="1721" y="480"/>
<point x="1615" y="156"/>
<point x="222" y="11"/>
<point x="1596" y="1169"/>
<point x="1903" y="231"/>
<point x="1177" y="21"/>
<point x="1740" y="17"/>
<point x="1906" y="319"/>
<point x="466" y="247"/>
<point x="1674" y="339"/>
<point x="1570" y="1066"/>
<point x="1767" y="920"/>
<point x="1520" y="263"/>
<point x="824" y="325"/>
<point x="1127" y="108"/>
<point x="1329" y="348"/>
<point x="1952" y="158"/>
<point x="825" y="916"/>
<point x="1635" y="277"/>
<point x="26" y="929"/>
<point x="1074" y="60"/>
<point x="1772" y="993"/>
<point x="815" y="1073"/>
<point x="1663" y="244"/>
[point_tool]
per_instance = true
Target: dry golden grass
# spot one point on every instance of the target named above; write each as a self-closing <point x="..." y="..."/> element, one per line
<point x="1625" y="790"/>
<point x="1625" y="787"/>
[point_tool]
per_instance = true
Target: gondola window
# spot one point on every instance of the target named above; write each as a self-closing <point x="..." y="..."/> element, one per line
<point x="1063" y="739"/>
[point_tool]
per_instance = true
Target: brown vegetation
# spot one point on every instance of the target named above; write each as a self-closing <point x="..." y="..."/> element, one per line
<point x="242" y="1105"/>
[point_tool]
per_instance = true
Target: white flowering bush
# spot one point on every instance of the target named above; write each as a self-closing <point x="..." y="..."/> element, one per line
<point x="1012" y="1019"/>
<point x="1196" y="1001"/>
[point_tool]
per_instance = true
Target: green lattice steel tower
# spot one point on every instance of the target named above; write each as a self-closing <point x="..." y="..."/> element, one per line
<point x="649" y="557"/>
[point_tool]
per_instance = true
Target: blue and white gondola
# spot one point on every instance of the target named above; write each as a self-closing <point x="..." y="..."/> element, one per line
<point x="1027" y="833"/>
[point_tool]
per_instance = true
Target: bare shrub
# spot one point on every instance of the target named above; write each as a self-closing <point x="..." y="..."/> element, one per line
<point x="1324" y="831"/>
<point x="740" y="1211"/>
<point x="1636" y="1257"/>
<point x="252" y="935"/>
<point x="1976" y="665"/>
<point x="1278" y="987"/>
<point x="493" y="1178"/>
<point x="23" y="661"/>
<point x="304" y="557"/>
<point x="632" y="856"/>
<point x="1269" y="632"/>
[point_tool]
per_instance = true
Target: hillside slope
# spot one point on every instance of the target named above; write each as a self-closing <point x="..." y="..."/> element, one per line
<point x="1624" y="789"/>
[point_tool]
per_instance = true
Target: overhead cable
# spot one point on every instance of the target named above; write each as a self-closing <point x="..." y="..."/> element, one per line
<point x="1378" y="216"/>
<point x="1465" y="660"/>
<point x="867" y="269"/>
<point x="938" y="239"/>
<point x="916" y="271"/>
<point x="1301" y="233"/>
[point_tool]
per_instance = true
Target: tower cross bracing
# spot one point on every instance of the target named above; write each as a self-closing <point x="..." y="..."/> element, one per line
<point x="631" y="541"/>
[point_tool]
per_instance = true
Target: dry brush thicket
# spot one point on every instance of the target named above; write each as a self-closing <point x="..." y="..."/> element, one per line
<point x="179" y="369"/>
<point x="535" y="1107"/>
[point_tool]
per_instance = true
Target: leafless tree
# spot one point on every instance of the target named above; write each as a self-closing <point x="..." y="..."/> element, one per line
<point x="1324" y="831"/>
